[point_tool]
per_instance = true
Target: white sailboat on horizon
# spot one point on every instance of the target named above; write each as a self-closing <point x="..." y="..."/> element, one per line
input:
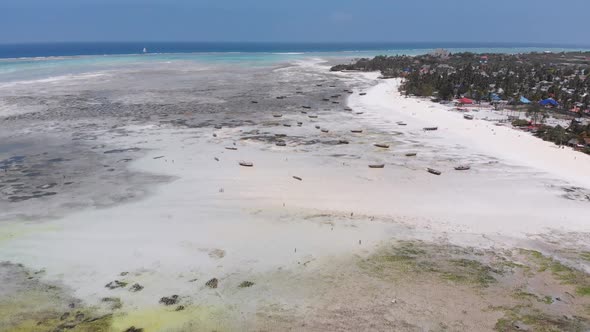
<point x="144" y="50"/>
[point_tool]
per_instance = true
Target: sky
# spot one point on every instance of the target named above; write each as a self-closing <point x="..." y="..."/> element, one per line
<point x="528" y="21"/>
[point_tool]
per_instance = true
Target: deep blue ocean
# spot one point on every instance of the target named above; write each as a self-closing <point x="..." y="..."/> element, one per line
<point x="25" y="62"/>
<point x="127" y="48"/>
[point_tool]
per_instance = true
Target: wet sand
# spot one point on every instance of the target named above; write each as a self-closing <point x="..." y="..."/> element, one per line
<point x="148" y="190"/>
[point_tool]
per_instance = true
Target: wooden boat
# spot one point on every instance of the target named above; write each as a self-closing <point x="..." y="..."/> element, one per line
<point x="297" y="178"/>
<point x="286" y="125"/>
<point x="325" y="130"/>
<point x="299" y="123"/>
<point x="280" y="135"/>
<point x="335" y="102"/>
<point x="313" y="116"/>
<point x="411" y="154"/>
<point x="306" y="107"/>
<point x="254" y="102"/>
<point x="356" y="131"/>
<point x="434" y="171"/>
<point x="463" y="168"/>
<point x="319" y="85"/>
<point x="468" y="116"/>
<point x="231" y="148"/>
<point x="217" y="127"/>
<point x="317" y="127"/>
<point x="277" y="115"/>
<point x="326" y="99"/>
<point x="377" y="166"/>
<point x="336" y="96"/>
<point x="383" y="146"/>
<point x="348" y="109"/>
<point x="359" y="113"/>
<point x="401" y="123"/>
<point x="246" y="164"/>
<point x="281" y="143"/>
<point x="281" y="97"/>
<point x="430" y="128"/>
<point x="303" y="112"/>
<point x="342" y="141"/>
<point x="362" y="94"/>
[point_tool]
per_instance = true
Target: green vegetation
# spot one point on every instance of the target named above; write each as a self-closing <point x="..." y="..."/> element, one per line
<point x="537" y="76"/>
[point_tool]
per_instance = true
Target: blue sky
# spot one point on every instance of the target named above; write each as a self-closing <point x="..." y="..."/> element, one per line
<point x="540" y="21"/>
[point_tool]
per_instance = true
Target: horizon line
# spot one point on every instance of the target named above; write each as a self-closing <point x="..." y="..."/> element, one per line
<point x="302" y="42"/>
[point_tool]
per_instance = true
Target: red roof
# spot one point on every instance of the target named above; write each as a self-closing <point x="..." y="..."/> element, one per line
<point x="465" y="101"/>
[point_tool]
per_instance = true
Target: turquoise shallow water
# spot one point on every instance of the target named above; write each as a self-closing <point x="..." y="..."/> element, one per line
<point x="36" y="68"/>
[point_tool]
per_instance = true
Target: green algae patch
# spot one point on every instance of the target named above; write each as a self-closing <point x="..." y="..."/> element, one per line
<point x="565" y="274"/>
<point x="525" y="318"/>
<point x="446" y="262"/>
<point x="191" y="318"/>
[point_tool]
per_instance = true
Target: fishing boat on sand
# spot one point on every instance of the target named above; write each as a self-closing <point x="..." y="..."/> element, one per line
<point x="383" y="146"/>
<point x="411" y="154"/>
<point x="377" y="166"/>
<point x="430" y="128"/>
<point x="434" y="171"/>
<point x="246" y="164"/>
<point x="468" y="117"/>
<point x="463" y="168"/>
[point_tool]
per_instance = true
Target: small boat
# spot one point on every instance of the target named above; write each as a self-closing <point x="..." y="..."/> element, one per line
<point x="254" y="102"/>
<point x="332" y="86"/>
<point x="325" y="130"/>
<point x="359" y="113"/>
<point x="401" y="123"/>
<point x="217" y="127"/>
<point x="411" y="154"/>
<point x="303" y="112"/>
<point x="317" y="127"/>
<point x="277" y="115"/>
<point x="313" y="116"/>
<point x="318" y="85"/>
<point x="246" y="164"/>
<point x="463" y="168"/>
<point x="383" y="146"/>
<point x="468" y="117"/>
<point x="348" y="109"/>
<point x="336" y="96"/>
<point x="306" y="107"/>
<point x="434" y="171"/>
<point x="281" y="97"/>
<point x="430" y="128"/>
<point x="335" y="102"/>
<point x="342" y="141"/>
<point x="280" y="135"/>
<point x="231" y="148"/>
<point x="281" y="143"/>
<point x="326" y="99"/>
<point x="356" y="131"/>
<point x="297" y="178"/>
<point x="299" y="123"/>
<point x="286" y="125"/>
<point x="377" y="166"/>
<point x="362" y="94"/>
<point x="144" y="50"/>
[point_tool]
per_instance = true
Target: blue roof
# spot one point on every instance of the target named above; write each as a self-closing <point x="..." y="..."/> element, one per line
<point x="549" y="101"/>
<point x="524" y="100"/>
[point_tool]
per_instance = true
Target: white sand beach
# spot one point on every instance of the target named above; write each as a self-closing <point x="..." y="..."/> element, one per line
<point x="216" y="219"/>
